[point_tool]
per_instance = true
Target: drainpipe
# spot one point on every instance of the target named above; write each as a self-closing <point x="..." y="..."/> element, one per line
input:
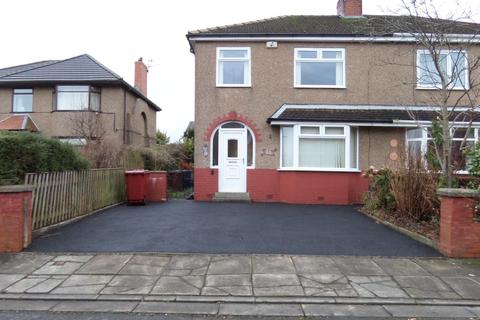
<point x="124" y="116"/>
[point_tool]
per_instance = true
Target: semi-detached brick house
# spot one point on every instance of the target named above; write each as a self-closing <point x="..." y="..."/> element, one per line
<point x="58" y="97"/>
<point x="292" y="108"/>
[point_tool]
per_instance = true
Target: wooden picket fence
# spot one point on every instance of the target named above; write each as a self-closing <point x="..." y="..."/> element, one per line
<point x="60" y="196"/>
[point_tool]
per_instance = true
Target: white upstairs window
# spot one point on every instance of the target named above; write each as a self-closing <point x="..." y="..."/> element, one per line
<point x="453" y="65"/>
<point x="233" y="67"/>
<point x="319" y="68"/>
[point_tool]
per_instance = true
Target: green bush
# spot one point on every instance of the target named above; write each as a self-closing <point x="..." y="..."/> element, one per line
<point x="380" y="194"/>
<point x="24" y="152"/>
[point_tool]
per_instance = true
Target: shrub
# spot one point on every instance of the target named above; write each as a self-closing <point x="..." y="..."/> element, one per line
<point x="380" y="194"/>
<point x="415" y="190"/>
<point x="24" y="152"/>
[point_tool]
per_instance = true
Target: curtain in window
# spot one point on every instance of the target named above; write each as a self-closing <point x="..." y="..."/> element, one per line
<point x="322" y="153"/>
<point x="287" y="147"/>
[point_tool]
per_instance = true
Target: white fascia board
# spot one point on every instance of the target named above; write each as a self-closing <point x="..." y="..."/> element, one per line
<point x="364" y="107"/>
<point x="395" y="124"/>
<point x="409" y="38"/>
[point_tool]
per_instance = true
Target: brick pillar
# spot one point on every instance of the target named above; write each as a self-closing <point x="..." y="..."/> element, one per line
<point x="15" y="217"/>
<point x="459" y="231"/>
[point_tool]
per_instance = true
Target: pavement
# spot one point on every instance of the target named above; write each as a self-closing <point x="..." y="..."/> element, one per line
<point x="240" y="285"/>
<point x="231" y="228"/>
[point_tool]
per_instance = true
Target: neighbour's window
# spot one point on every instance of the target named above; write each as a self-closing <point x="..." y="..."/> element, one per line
<point x="215" y="142"/>
<point x="22" y="100"/>
<point x="326" y="147"/>
<point x="78" y="98"/>
<point x="420" y="144"/>
<point x="233" y="67"/>
<point x="74" y="141"/>
<point x="320" y="68"/>
<point x="453" y="65"/>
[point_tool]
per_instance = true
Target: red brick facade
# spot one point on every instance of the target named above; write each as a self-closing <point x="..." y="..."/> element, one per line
<point x="15" y="218"/>
<point x="459" y="232"/>
<point x="271" y="185"/>
<point x="232" y="116"/>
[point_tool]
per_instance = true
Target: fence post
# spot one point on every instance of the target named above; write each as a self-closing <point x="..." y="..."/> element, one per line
<point x="459" y="231"/>
<point x="15" y="217"/>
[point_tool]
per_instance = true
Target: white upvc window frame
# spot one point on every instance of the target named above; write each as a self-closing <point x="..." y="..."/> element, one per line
<point x="296" y="59"/>
<point x="425" y="138"/>
<point x="296" y="139"/>
<point x="248" y="60"/>
<point x="449" y="70"/>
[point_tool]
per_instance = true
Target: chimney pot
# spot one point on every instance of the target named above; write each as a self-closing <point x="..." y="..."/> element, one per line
<point x="141" y="74"/>
<point x="349" y="8"/>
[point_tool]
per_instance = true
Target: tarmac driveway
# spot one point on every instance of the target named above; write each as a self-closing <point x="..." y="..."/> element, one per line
<point x="182" y="226"/>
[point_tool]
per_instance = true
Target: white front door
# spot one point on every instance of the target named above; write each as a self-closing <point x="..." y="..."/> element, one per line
<point x="232" y="160"/>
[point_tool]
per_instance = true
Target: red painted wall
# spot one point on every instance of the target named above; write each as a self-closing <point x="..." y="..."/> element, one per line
<point x="304" y="187"/>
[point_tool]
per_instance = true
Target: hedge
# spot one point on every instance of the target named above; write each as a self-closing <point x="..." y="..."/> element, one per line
<point x="24" y="152"/>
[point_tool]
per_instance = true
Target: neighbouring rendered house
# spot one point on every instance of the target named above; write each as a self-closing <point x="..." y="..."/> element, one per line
<point x="293" y="108"/>
<point x="77" y="99"/>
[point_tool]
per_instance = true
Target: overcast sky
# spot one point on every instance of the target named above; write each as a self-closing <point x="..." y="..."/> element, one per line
<point x="119" y="32"/>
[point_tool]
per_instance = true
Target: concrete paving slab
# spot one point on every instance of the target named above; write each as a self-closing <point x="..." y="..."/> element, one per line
<point x="189" y="262"/>
<point x="23" y="305"/>
<point x="83" y="284"/>
<point x="177" y="308"/>
<point x="230" y="265"/>
<point x="73" y="258"/>
<point x="376" y="286"/>
<point x="240" y="309"/>
<point x="145" y="265"/>
<point x="426" y="287"/>
<point x="186" y="285"/>
<point x="6" y="280"/>
<point x="315" y="265"/>
<point x="105" y="264"/>
<point x="239" y="291"/>
<point x="327" y="285"/>
<point x="429" y="311"/>
<point x="234" y="285"/>
<point x="445" y="267"/>
<point x="467" y="288"/>
<point x="22" y="263"/>
<point x="344" y="310"/>
<point x="95" y="306"/>
<point x="128" y="284"/>
<point x="364" y="266"/>
<point x="58" y="267"/>
<point x="273" y="264"/>
<point x="277" y="285"/>
<point x="401" y="267"/>
<point x="475" y="311"/>
<point x="35" y="284"/>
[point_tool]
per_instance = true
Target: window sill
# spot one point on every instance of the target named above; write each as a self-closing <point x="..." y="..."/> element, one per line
<point x="438" y="88"/>
<point x="234" y="85"/>
<point x="318" y="87"/>
<point x="21" y="112"/>
<point x="320" y="170"/>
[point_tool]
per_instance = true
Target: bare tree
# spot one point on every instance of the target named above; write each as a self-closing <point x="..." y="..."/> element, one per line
<point x="90" y="126"/>
<point x="447" y="65"/>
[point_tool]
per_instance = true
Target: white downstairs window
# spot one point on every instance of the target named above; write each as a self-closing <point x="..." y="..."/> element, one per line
<point x="233" y="67"/>
<point x="319" y="147"/>
<point x="319" y="68"/>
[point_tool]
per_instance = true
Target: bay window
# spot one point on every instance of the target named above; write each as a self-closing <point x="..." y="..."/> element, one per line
<point x="76" y="98"/>
<point x="319" y="147"/>
<point x="233" y="67"/>
<point x="453" y="65"/>
<point x="320" y="68"/>
<point x="420" y="144"/>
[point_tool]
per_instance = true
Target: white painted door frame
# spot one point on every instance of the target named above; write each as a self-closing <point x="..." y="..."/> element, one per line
<point x="232" y="160"/>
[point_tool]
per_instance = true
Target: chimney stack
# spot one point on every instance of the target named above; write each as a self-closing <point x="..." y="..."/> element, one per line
<point x="349" y="8"/>
<point x="141" y="73"/>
